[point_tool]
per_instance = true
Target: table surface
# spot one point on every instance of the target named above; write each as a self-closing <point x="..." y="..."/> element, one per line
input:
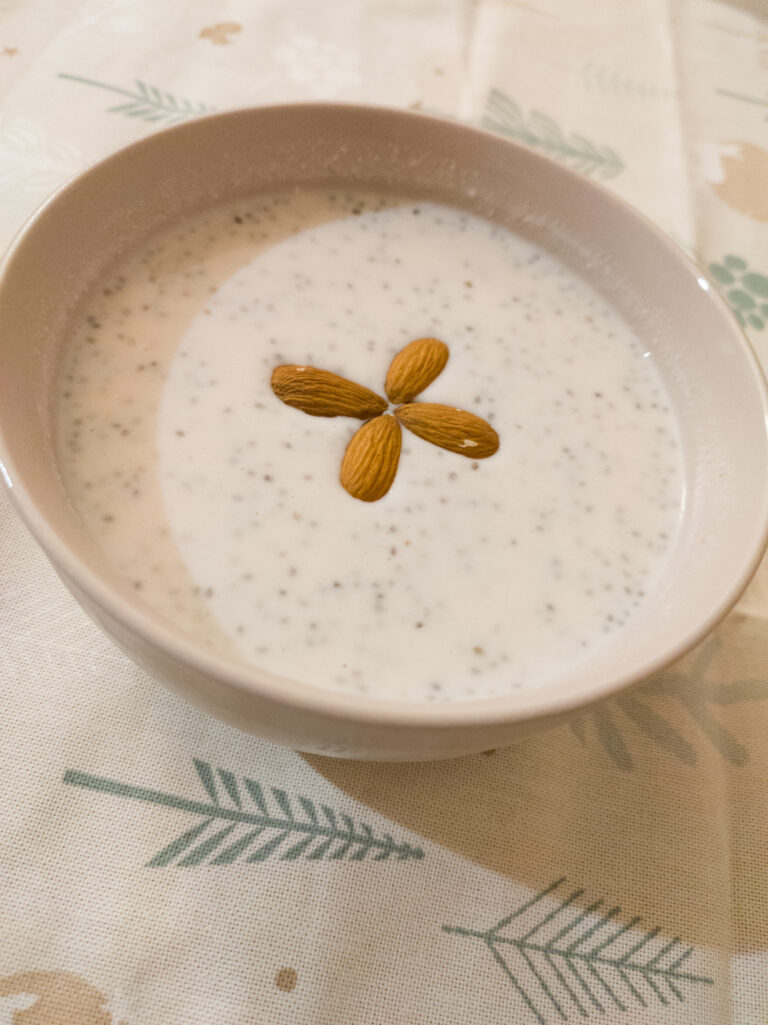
<point x="615" y="868"/>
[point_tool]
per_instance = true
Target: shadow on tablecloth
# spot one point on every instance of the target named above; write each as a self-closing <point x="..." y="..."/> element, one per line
<point x="658" y="802"/>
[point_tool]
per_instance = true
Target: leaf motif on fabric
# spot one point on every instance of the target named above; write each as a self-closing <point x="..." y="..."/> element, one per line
<point x="615" y="82"/>
<point x="566" y="962"/>
<point x="239" y="819"/>
<point x="147" y="102"/>
<point x="745" y="290"/>
<point x="758" y="101"/>
<point x="643" y="710"/>
<point x="540" y="131"/>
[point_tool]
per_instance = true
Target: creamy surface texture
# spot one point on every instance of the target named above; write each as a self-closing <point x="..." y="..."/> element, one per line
<point x="223" y="506"/>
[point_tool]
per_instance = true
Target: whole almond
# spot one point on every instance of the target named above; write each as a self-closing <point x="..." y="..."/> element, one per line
<point x="321" y="393"/>
<point x="370" y="462"/>
<point x="449" y="428"/>
<point x="414" y="368"/>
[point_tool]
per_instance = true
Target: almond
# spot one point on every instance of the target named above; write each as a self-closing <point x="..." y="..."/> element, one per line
<point x="370" y="462"/>
<point x="321" y="393"/>
<point x="414" y="368"/>
<point x="449" y="428"/>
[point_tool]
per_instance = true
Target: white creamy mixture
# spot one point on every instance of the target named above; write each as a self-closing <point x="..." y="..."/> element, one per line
<point x="223" y="505"/>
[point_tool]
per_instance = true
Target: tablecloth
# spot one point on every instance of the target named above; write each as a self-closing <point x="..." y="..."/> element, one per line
<point x="614" y="869"/>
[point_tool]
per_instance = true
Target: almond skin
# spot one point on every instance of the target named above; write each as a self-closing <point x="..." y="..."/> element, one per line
<point x="321" y="393"/>
<point x="449" y="428"/>
<point x="414" y="368"/>
<point x="370" y="462"/>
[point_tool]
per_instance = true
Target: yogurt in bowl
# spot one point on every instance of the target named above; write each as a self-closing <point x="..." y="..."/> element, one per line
<point x="210" y="525"/>
<point x="224" y="509"/>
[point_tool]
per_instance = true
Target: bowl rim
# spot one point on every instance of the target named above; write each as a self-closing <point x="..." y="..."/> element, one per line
<point x="538" y="703"/>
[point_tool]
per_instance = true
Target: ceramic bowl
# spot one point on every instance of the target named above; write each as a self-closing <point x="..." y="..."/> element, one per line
<point x="712" y="377"/>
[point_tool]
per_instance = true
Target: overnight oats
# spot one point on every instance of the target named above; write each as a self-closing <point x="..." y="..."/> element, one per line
<point x="379" y="446"/>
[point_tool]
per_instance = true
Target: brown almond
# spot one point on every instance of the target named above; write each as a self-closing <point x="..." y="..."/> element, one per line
<point x="321" y="393"/>
<point x="414" y="368"/>
<point x="449" y="428"/>
<point x="370" y="462"/>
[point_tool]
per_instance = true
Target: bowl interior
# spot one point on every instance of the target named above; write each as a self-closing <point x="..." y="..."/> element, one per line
<point x="709" y="371"/>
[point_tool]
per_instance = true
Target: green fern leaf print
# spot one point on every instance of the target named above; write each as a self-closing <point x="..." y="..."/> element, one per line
<point x="540" y="131"/>
<point x="563" y="961"/>
<point x="614" y="82"/>
<point x="759" y="101"/>
<point x="146" y="102"/>
<point x="239" y="820"/>
<point x="643" y="709"/>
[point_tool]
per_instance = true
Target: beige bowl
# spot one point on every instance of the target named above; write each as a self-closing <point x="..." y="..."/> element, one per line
<point x="711" y="374"/>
